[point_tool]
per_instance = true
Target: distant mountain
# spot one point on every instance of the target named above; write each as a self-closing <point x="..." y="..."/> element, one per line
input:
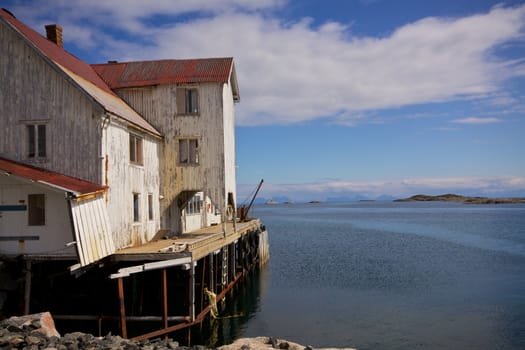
<point x="278" y="199"/>
<point x="385" y="197"/>
<point x="353" y="198"/>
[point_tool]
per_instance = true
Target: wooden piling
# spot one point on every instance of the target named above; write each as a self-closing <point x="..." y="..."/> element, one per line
<point x="27" y="288"/>
<point x="123" y="330"/>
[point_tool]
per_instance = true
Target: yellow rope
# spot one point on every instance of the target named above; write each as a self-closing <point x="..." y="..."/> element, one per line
<point x="212" y="301"/>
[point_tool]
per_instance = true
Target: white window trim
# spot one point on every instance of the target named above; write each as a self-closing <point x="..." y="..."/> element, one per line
<point x="35" y="124"/>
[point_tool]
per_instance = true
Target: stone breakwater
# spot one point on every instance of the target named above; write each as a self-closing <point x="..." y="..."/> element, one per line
<point x="37" y="332"/>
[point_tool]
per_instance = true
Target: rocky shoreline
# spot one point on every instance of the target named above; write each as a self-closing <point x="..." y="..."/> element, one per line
<point x="37" y="332"/>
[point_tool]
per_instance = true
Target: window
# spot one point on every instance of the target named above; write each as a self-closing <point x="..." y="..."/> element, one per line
<point x="194" y="205"/>
<point x="36" y="210"/>
<point x="187" y="101"/>
<point x="36" y="141"/>
<point x="135" y="149"/>
<point x="188" y="151"/>
<point x="136" y="207"/>
<point x="150" y="206"/>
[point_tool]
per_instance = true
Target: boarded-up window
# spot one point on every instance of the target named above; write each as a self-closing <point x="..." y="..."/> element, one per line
<point x="36" y="210"/>
<point x="36" y="141"/>
<point x="135" y="149"/>
<point x="187" y="101"/>
<point x="188" y="151"/>
<point x="136" y="207"/>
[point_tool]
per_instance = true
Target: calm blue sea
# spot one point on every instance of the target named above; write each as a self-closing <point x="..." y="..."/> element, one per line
<point x="385" y="275"/>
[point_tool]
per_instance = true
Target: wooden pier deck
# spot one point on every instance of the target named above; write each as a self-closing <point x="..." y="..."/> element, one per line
<point x="195" y="244"/>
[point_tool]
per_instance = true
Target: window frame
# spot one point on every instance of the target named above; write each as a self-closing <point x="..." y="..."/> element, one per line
<point x="36" y="140"/>
<point x="136" y="149"/>
<point x="188" y="101"/>
<point x="195" y="205"/>
<point x="136" y="207"/>
<point x="188" y="155"/>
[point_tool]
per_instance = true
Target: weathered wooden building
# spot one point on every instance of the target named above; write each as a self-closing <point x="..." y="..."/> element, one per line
<point x="119" y="169"/>
<point x="59" y="115"/>
<point x="191" y="103"/>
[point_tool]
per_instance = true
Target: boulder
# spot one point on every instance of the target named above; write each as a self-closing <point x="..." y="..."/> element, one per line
<point x="41" y="323"/>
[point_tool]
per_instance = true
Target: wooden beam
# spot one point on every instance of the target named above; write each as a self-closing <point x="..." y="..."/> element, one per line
<point x="123" y="330"/>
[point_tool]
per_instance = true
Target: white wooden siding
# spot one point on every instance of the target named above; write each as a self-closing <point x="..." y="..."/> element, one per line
<point x="92" y="230"/>
<point x="215" y="173"/>
<point x="229" y="142"/>
<point x="124" y="179"/>
<point x="32" y="90"/>
<point x="52" y="237"/>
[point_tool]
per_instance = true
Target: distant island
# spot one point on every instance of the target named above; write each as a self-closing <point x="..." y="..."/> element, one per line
<point x="460" y="199"/>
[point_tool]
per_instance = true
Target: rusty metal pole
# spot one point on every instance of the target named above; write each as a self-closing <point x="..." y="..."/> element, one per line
<point x="123" y="329"/>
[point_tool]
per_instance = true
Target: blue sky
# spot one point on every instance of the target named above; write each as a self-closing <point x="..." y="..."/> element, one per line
<point x="356" y="98"/>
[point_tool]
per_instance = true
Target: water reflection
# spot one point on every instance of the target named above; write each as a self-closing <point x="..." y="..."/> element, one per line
<point x="241" y="305"/>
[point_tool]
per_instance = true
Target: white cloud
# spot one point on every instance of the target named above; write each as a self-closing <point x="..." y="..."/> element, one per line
<point x="399" y="188"/>
<point x="476" y="120"/>
<point x="295" y="72"/>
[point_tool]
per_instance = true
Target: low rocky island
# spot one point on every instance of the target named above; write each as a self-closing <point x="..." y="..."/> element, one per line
<point x="460" y="199"/>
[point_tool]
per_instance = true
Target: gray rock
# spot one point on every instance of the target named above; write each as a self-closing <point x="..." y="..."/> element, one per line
<point x="284" y="345"/>
<point x="32" y="340"/>
<point x="173" y="345"/>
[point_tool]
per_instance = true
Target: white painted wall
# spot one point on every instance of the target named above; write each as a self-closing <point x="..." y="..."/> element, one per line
<point x="213" y="127"/>
<point x="53" y="236"/>
<point x="208" y="216"/>
<point x="126" y="178"/>
<point x="230" y="180"/>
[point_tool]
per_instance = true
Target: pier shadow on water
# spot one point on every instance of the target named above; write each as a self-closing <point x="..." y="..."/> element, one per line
<point x="239" y="306"/>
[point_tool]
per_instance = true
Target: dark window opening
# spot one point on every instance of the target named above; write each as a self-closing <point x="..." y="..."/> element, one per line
<point x="150" y="206"/>
<point x="36" y="141"/>
<point x="188" y="151"/>
<point x="136" y="206"/>
<point x="36" y="210"/>
<point x="187" y="101"/>
<point x="135" y="149"/>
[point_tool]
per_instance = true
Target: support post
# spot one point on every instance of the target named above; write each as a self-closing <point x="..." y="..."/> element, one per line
<point x="211" y="282"/>
<point x="27" y="288"/>
<point x="203" y="273"/>
<point x="123" y="329"/>
<point x="164" y="299"/>
<point x="192" y="292"/>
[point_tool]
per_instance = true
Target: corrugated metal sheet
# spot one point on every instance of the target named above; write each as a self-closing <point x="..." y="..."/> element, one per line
<point x="68" y="63"/>
<point x="63" y="182"/>
<point x="114" y="104"/>
<point x="146" y="73"/>
<point x="92" y="230"/>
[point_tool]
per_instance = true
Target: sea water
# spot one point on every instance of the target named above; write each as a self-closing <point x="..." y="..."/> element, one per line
<point x="387" y="275"/>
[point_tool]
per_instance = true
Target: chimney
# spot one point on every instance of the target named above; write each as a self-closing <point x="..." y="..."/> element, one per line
<point x="54" y="33"/>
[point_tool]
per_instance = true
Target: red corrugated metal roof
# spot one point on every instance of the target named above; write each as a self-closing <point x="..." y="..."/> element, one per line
<point x="50" y="178"/>
<point x="146" y="73"/>
<point x="75" y="67"/>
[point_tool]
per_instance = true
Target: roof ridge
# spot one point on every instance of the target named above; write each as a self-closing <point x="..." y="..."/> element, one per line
<point x="68" y="63"/>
